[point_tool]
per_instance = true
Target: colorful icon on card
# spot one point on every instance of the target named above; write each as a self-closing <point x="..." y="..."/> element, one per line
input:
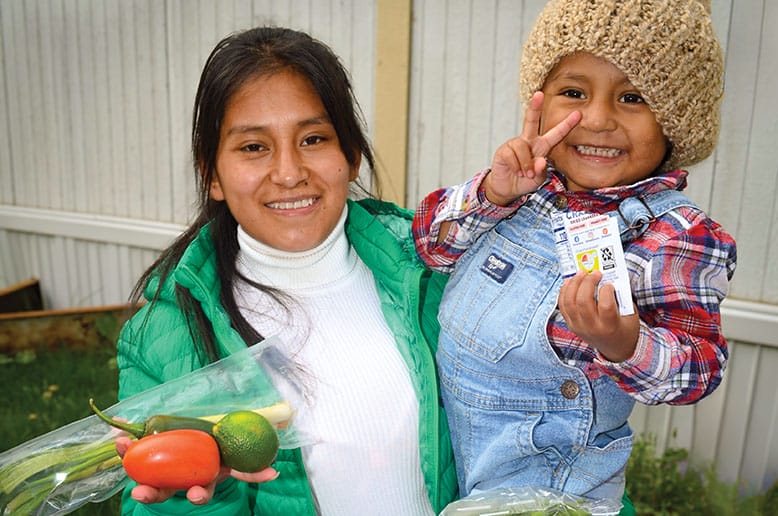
<point x="588" y="260"/>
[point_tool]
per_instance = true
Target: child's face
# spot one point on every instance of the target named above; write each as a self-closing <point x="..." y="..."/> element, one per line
<point x="617" y="142"/>
<point x="279" y="164"/>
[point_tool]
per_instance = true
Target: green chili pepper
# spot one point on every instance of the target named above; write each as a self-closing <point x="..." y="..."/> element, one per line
<point x="156" y="424"/>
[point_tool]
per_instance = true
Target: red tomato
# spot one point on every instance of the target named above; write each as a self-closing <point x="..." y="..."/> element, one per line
<point x="177" y="459"/>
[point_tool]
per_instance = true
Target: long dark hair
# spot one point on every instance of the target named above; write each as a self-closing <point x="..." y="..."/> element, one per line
<point x="236" y="59"/>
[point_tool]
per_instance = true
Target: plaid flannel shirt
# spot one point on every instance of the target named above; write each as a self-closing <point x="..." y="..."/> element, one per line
<point x="679" y="272"/>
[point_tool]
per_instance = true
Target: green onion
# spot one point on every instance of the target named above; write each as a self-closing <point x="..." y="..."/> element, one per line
<point x="25" y="484"/>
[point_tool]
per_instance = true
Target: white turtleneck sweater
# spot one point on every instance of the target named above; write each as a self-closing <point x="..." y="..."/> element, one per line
<point x="363" y="411"/>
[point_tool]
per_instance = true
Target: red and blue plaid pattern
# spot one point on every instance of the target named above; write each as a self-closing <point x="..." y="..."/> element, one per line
<point x="680" y="270"/>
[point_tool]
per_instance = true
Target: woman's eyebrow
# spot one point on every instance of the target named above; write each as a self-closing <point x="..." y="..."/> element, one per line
<point x="244" y="129"/>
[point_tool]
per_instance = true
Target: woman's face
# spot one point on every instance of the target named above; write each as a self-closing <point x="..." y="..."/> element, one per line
<point x="618" y="140"/>
<point x="279" y="165"/>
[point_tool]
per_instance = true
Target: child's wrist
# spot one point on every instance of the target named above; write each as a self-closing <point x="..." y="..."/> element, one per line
<point x="491" y="196"/>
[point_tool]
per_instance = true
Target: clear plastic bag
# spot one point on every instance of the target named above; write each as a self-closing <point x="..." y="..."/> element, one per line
<point x="529" y="501"/>
<point x="58" y="472"/>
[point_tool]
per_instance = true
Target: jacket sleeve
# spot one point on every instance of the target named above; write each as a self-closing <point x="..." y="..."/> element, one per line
<point x="432" y="292"/>
<point x="154" y="347"/>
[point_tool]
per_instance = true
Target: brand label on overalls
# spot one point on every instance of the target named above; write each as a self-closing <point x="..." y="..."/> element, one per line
<point x="496" y="268"/>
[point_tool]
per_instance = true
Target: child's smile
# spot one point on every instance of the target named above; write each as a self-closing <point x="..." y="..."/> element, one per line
<point x="597" y="152"/>
<point x="618" y="140"/>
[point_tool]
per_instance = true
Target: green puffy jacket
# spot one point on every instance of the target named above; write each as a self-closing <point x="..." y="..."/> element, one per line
<point x="155" y="346"/>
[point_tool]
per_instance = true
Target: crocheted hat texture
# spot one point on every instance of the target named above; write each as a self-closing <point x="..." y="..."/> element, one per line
<point x="667" y="49"/>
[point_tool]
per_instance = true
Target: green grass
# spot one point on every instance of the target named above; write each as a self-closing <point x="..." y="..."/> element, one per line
<point x="51" y="388"/>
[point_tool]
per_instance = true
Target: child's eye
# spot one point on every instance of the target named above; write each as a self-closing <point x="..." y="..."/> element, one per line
<point x="573" y="94"/>
<point x="632" y="98"/>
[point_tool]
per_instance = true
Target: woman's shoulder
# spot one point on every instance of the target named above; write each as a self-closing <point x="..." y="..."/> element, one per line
<point x="370" y="207"/>
<point x="158" y="335"/>
<point x="379" y="224"/>
<point x="195" y="267"/>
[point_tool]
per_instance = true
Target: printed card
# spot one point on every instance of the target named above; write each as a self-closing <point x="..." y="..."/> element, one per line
<point x="588" y="242"/>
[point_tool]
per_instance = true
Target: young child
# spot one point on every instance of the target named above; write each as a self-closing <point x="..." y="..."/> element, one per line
<point x="540" y="373"/>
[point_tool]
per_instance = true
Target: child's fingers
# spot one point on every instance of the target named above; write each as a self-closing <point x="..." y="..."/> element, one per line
<point x="568" y="293"/>
<point x="201" y="495"/>
<point x="542" y="145"/>
<point x="512" y="157"/>
<point x="606" y="299"/>
<point x="505" y="159"/>
<point x="577" y="296"/>
<point x="538" y="168"/>
<point x="122" y="443"/>
<point x="265" y="475"/>
<point x="531" y="126"/>
<point x="586" y="297"/>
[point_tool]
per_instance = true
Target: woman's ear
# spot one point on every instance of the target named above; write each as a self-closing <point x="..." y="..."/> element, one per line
<point x="215" y="189"/>
<point x="354" y="172"/>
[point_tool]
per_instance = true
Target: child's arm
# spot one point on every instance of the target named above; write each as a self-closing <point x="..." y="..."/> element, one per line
<point x="678" y="352"/>
<point x="449" y="220"/>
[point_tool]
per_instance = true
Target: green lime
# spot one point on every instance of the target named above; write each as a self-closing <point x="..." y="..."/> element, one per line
<point x="247" y="441"/>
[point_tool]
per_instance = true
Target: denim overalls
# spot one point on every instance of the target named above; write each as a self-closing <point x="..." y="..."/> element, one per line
<point x="520" y="416"/>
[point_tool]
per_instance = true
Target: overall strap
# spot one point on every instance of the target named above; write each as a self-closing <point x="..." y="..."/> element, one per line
<point x="636" y="213"/>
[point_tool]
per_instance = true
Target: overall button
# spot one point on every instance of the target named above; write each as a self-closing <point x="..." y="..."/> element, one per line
<point x="560" y="202"/>
<point x="569" y="389"/>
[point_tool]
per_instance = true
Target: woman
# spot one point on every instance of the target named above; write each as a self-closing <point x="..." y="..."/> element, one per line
<point x="278" y="248"/>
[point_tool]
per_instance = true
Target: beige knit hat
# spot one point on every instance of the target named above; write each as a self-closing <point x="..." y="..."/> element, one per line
<point x="666" y="48"/>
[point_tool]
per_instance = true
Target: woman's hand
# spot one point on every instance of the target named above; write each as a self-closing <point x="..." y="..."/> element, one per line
<point x="519" y="165"/>
<point x="595" y="317"/>
<point x="197" y="495"/>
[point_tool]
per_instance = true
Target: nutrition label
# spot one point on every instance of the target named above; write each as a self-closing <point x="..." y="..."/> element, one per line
<point x="589" y="242"/>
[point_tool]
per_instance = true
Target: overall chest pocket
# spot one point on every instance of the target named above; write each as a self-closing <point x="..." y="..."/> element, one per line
<point x="493" y="296"/>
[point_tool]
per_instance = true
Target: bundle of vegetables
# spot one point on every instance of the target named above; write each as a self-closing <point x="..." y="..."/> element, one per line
<point x="170" y="451"/>
<point x="181" y="452"/>
<point x="57" y="472"/>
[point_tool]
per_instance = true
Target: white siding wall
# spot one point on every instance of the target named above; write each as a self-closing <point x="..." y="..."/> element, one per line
<point x="95" y="175"/>
<point x="95" y="118"/>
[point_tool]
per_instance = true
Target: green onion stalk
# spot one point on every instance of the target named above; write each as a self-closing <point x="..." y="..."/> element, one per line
<point x="26" y="483"/>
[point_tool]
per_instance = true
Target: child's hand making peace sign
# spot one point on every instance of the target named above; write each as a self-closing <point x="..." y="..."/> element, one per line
<point x="519" y="165"/>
